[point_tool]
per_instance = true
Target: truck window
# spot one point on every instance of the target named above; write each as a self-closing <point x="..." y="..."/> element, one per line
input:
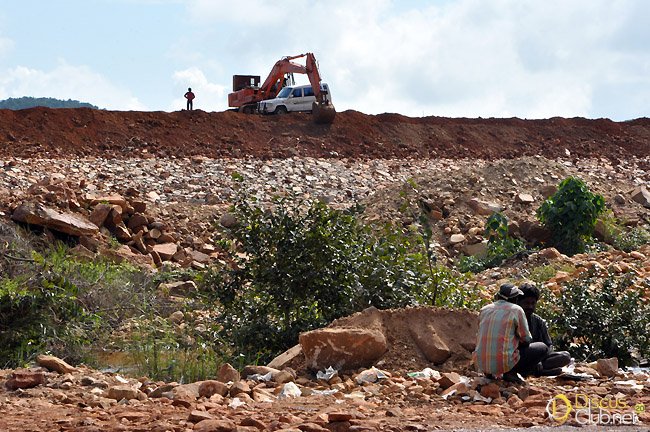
<point x="309" y="91"/>
<point x="285" y="92"/>
<point x="297" y="92"/>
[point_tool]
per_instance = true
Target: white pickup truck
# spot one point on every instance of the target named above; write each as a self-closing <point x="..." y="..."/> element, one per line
<point x="292" y="98"/>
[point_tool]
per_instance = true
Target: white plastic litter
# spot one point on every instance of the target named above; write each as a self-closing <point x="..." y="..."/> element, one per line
<point x="290" y="390"/>
<point x="236" y="403"/>
<point x="327" y="374"/>
<point x="370" y="376"/>
<point x="425" y="373"/>
<point x="259" y="377"/>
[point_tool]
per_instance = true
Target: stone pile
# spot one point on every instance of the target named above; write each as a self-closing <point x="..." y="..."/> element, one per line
<point x="55" y="204"/>
<point x="188" y="194"/>
<point x="55" y="395"/>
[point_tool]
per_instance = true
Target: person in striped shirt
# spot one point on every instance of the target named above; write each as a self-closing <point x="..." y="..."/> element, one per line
<point x="504" y="347"/>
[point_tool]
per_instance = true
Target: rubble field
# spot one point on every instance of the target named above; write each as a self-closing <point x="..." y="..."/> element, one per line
<point x="159" y="182"/>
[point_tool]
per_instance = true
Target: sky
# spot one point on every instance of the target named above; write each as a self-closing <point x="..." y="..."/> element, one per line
<point x="450" y="58"/>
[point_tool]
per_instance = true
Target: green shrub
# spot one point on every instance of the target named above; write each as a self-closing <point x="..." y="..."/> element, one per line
<point x="571" y="214"/>
<point x="500" y="246"/>
<point x="596" y="317"/>
<point x="303" y="265"/>
<point x="51" y="302"/>
<point x="41" y="312"/>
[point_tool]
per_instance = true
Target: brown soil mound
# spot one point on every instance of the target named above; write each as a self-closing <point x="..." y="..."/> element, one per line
<point x="412" y="335"/>
<point x="408" y="332"/>
<point x="46" y="132"/>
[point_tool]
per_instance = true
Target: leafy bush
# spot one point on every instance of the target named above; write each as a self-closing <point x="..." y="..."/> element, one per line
<point x="302" y="266"/>
<point x="599" y="316"/>
<point x="571" y="214"/>
<point x="500" y="246"/>
<point x="39" y="311"/>
<point x="51" y="302"/>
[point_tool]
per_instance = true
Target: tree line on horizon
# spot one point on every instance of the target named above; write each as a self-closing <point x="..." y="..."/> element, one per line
<point x="31" y="102"/>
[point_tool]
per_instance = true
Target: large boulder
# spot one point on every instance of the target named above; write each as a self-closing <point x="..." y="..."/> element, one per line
<point x="34" y="213"/>
<point x="54" y="364"/>
<point x="342" y="348"/>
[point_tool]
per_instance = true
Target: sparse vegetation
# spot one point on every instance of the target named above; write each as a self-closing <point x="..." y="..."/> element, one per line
<point x="631" y="239"/>
<point x="543" y="273"/>
<point x="501" y="246"/>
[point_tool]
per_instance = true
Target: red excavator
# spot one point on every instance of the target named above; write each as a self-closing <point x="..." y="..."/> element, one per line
<point x="247" y="92"/>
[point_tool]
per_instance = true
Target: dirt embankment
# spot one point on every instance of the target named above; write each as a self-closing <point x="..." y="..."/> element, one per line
<point x="43" y="132"/>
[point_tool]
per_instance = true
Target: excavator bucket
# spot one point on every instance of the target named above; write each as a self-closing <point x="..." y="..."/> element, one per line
<point x="323" y="113"/>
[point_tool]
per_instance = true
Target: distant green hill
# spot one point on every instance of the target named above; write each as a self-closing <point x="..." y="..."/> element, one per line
<point x="30" y="102"/>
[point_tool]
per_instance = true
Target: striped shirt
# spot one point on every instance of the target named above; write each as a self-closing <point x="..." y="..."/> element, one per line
<point x="502" y="326"/>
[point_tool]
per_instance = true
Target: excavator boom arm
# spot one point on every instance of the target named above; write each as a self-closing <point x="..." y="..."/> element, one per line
<point x="322" y="109"/>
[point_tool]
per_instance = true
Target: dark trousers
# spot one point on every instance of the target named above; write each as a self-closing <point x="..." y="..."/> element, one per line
<point x="189" y="105"/>
<point x="529" y="358"/>
<point x="552" y="364"/>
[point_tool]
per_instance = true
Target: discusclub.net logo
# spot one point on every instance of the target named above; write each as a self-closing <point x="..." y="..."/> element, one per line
<point x="593" y="410"/>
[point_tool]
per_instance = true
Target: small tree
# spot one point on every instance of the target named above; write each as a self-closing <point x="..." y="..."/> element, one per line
<point x="302" y="265"/>
<point x="571" y="214"/>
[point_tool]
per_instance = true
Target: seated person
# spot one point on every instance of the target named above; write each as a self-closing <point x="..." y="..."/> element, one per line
<point x="552" y="364"/>
<point x="503" y="345"/>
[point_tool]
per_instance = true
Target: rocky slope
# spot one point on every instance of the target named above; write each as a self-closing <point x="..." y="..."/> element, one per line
<point x="160" y="181"/>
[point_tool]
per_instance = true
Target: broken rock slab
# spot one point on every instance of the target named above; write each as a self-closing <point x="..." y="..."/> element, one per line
<point x="54" y="364"/>
<point x="484" y="208"/>
<point x="642" y="196"/>
<point x="342" y="348"/>
<point x="432" y="346"/>
<point x="25" y="378"/>
<point x="34" y="213"/>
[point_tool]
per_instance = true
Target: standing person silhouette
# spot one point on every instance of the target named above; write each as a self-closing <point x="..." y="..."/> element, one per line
<point x="190" y="97"/>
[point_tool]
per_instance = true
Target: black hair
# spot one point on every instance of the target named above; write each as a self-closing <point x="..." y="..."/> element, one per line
<point x="529" y="290"/>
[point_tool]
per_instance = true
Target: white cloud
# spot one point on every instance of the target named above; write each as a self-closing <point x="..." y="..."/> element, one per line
<point x="209" y="96"/>
<point x="458" y="58"/>
<point x="67" y="82"/>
